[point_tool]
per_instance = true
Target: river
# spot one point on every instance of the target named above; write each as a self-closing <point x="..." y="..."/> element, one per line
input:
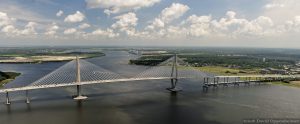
<point x="142" y="102"/>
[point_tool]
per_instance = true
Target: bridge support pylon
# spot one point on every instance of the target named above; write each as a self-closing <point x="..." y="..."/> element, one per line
<point x="79" y="95"/>
<point x="174" y="75"/>
<point x="78" y="81"/>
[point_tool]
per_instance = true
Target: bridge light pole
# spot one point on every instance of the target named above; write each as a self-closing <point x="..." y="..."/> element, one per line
<point x="78" y="81"/>
<point x="174" y="76"/>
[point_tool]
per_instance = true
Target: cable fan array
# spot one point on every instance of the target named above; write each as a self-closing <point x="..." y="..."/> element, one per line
<point x="164" y="69"/>
<point x="67" y="74"/>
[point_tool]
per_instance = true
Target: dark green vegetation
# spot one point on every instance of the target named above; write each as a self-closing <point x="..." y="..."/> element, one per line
<point x="6" y="77"/>
<point x="242" y="58"/>
<point x="199" y="60"/>
<point x="150" y="60"/>
<point x="245" y="62"/>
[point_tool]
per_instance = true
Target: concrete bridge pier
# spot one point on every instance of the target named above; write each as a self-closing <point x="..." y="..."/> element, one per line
<point x="27" y="97"/>
<point x="247" y="81"/>
<point x="205" y="84"/>
<point x="236" y="79"/>
<point x="225" y="83"/>
<point x="174" y="87"/>
<point x="79" y="95"/>
<point x="7" y="99"/>
<point x="216" y="82"/>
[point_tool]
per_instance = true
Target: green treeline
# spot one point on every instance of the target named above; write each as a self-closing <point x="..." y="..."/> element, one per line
<point x="199" y="60"/>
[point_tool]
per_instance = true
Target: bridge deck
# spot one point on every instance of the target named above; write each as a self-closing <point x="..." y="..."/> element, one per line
<point x="74" y="84"/>
<point x="137" y="79"/>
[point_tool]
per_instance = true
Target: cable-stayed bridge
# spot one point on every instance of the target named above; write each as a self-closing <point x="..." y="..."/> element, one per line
<point x="80" y="72"/>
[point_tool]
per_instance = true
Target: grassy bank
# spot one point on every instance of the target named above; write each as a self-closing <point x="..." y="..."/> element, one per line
<point x="219" y="70"/>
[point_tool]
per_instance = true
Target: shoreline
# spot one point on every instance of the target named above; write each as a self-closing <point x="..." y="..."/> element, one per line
<point x="291" y="84"/>
<point x="46" y="61"/>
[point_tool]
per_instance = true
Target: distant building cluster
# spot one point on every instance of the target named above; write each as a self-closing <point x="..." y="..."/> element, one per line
<point x="285" y="71"/>
<point x="273" y="71"/>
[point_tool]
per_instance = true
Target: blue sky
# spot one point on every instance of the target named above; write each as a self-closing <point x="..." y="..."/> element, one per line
<point x="247" y="23"/>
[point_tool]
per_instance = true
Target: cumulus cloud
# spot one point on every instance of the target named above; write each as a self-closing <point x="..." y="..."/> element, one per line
<point x="52" y="29"/>
<point x="229" y="26"/>
<point x="59" y="13"/>
<point x="7" y="25"/>
<point x="105" y="33"/>
<point x="117" y="6"/>
<point x="5" y="20"/>
<point x="84" y="26"/>
<point x="10" y="30"/>
<point x="126" y="23"/>
<point x="30" y="29"/>
<point x="175" y="11"/>
<point x="292" y="25"/>
<point x="198" y="25"/>
<point x="70" y="31"/>
<point x="76" y="17"/>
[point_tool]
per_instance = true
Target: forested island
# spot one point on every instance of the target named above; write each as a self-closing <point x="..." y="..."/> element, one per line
<point x="6" y="77"/>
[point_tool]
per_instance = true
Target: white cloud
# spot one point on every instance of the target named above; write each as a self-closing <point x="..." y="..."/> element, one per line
<point x="30" y="29"/>
<point x="84" y="25"/>
<point x="274" y="5"/>
<point x="175" y="11"/>
<point x="5" y="20"/>
<point x="293" y="25"/>
<point x="106" y="33"/>
<point x="70" y="31"/>
<point x="126" y="23"/>
<point x="59" y="13"/>
<point x="228" y="26"/>
<point x="198" y="25"/>
<point x="76" y="17"/>
<point x="117" y="6"/>
<point x="52" y="29"/>
<point x="10" y="30"/>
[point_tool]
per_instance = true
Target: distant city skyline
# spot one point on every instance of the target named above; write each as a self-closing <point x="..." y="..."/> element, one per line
<point x="220" y="23"/>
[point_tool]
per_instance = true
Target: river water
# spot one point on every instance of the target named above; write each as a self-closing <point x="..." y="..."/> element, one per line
<point x="142" y="102"/>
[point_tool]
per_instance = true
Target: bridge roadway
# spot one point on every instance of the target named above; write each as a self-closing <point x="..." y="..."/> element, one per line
<point x="26" y="88"/>
<point x="207" y="84"/>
